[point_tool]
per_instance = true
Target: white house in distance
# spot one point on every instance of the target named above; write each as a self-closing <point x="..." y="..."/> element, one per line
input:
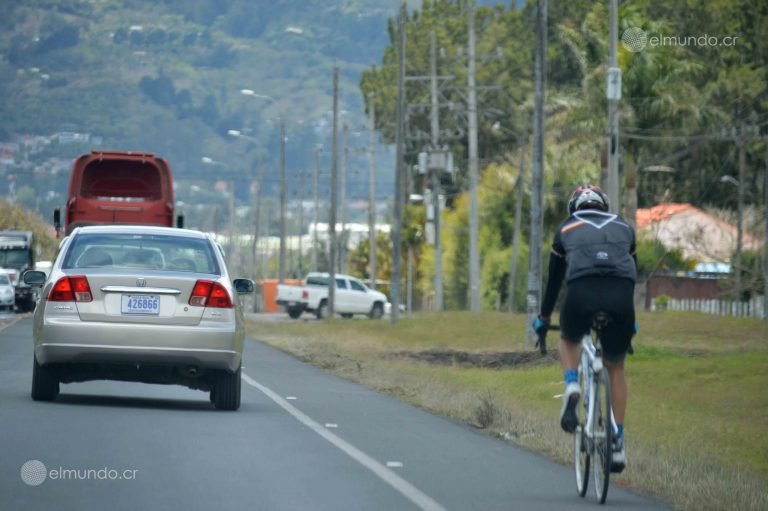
<point x="700" y="236"/>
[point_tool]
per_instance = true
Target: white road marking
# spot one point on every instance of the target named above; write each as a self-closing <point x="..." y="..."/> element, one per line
<point x="291" y="398"/>
<point x="331" y="425"/>
<point x="557" y="396"/>
<point x="409" y="491"/>
<point x="394" y="464"/>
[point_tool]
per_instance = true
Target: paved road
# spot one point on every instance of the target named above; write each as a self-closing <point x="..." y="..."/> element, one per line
<point x="303" y="440"/>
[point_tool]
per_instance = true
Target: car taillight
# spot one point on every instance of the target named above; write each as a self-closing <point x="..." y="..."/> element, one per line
<point x="304" y="294"/>
<point x="207" y="293"/>
<point x="71" y="289"/>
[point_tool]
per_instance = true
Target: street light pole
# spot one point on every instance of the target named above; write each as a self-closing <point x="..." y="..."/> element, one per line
<point x="334" y="186"/>
<point x="372" y="194"/>
<point x="281" y="266"/>
<point x="316" y="212"/>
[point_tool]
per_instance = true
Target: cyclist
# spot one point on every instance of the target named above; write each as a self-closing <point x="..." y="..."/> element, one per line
<point x="595" y="251"/>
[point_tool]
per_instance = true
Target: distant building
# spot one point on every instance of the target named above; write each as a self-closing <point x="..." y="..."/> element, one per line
<point x="700" y="236"/>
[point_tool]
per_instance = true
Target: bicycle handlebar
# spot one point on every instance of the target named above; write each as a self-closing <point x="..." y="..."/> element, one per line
<point x="542" y="338"/>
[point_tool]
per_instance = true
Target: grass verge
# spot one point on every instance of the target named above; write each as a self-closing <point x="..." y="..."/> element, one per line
<point x="697" y="414"/>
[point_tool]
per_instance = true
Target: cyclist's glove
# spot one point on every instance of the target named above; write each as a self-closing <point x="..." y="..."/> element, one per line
<point x="540" y="325"/>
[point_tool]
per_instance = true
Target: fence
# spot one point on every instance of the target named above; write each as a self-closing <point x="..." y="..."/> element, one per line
<point x="753" y="308"/>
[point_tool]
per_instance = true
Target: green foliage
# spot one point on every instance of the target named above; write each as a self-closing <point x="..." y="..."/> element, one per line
<point x="653" y="257"/>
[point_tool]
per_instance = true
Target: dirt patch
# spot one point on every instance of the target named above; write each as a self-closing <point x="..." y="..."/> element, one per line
<point x="485" y="359"/>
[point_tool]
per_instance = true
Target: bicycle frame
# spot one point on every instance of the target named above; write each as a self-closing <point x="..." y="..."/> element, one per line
<point x="591" y="365"/>
<point x="590" y="368"/>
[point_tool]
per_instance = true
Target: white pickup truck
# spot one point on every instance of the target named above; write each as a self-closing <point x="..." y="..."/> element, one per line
<point x="350" y="297"/>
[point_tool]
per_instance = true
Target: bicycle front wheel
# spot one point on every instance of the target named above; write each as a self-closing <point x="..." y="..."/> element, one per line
<point x="581" y="460"/>
<point x="602" y="435"/>
<point x="581" y="443"/>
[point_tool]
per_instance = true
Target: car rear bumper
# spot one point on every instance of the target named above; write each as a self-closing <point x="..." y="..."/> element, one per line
<point x="207" y="345"/>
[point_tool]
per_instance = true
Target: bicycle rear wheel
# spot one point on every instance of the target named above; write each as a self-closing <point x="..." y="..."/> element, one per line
<point x="602" y="435"/>
<point x="581" y="447"/>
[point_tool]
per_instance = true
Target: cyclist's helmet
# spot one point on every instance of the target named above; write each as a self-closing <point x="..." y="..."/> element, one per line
<point x="587" y="197"/>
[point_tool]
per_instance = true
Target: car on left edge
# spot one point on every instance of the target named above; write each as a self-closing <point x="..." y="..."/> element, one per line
<point x="139" y="303"/>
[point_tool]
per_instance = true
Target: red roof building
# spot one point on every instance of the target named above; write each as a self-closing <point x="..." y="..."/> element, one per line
<point x="700" y="236"/>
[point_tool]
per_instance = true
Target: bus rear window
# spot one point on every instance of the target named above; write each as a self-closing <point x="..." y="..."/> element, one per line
<point x="121" y="180"/>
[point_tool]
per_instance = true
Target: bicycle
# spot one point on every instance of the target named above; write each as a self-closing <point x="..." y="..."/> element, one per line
<point x="593" y="438"/>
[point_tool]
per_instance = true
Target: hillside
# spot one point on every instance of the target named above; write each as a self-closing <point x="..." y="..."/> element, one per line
<point x="165" y="77"/>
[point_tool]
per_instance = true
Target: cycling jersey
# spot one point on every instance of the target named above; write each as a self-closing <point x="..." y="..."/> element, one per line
<point x="595" y="243"/>
<point x="590" y="243"/>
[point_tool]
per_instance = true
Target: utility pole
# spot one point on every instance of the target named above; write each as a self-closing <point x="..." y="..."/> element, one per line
<point x="372" y="193"/>
<point x="281" y="266"/>
<point x="231" y="248"/>
<point x="533" y="296"/>
<point x="765" y="238"/>
<point x="343" y="208"/>
<point x="614" y="94"/>
<point x="257" y="218"/>
<point x="435" y="172"/>
<point x="474" y="252"/>
<point x="518" y="225"/>
<point x="334" y="190"/>
<point x="301" y="224"/>
<point x="740" y="215"/>
<point x="397" y="221"/>
<point x="316" y="213"/>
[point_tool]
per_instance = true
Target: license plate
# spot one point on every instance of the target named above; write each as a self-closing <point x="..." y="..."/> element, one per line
<point x="141" y="304"/>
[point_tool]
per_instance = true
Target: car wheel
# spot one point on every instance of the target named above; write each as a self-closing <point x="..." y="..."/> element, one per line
<point x="226" y="392"/>
<point x="322" y="310"/>
<point x="294" y="313"/>
<point x="377" y="311"/>
<point x="45" y="385"/>
<point x="346" y="315"/>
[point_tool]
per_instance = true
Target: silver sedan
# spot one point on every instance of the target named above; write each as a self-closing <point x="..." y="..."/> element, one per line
<point x="139" y="303"/>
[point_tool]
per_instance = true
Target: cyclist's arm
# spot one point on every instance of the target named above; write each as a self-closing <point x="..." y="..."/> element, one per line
<point x="557" y="269"/>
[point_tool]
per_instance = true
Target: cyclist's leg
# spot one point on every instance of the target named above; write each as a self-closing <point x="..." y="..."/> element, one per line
<point x="573" y="324"/>
<point x="618" y="389"/>
<point x="616" y="340"/>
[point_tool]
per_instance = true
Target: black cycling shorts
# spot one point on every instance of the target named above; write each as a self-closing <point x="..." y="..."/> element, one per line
<point x="587" y="296"/>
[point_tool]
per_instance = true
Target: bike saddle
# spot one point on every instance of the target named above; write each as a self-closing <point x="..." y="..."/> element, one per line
<point x="600" y="320"/>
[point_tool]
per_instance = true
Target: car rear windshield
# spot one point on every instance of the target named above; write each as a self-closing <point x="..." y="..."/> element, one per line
<point x="4" y="280"/>
<point x="142" y="251"/>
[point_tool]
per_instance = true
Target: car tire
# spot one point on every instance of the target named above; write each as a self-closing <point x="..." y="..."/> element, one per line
<point x="226" y="392"/>
<point x="322" y="310"/>
<point x="294" y="313"/>
<point x="45" y="384"/>
<point x="377" y="311"/>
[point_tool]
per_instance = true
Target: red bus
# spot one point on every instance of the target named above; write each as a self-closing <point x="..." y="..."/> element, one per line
<point x="118" y="187"/>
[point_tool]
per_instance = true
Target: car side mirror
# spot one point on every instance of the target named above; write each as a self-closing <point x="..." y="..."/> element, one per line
<point x="243" y="286"/>
<point x="34" y="278"/>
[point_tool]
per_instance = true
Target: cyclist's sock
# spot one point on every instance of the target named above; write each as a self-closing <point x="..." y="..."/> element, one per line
<point x="571" y="376"/>
<point x="619" y="434"/>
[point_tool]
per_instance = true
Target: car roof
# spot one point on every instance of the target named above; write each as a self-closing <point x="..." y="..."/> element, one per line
<point x="140" y="229"/>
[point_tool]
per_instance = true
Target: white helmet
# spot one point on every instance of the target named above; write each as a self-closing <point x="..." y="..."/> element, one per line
<point x="587" y="197"/>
